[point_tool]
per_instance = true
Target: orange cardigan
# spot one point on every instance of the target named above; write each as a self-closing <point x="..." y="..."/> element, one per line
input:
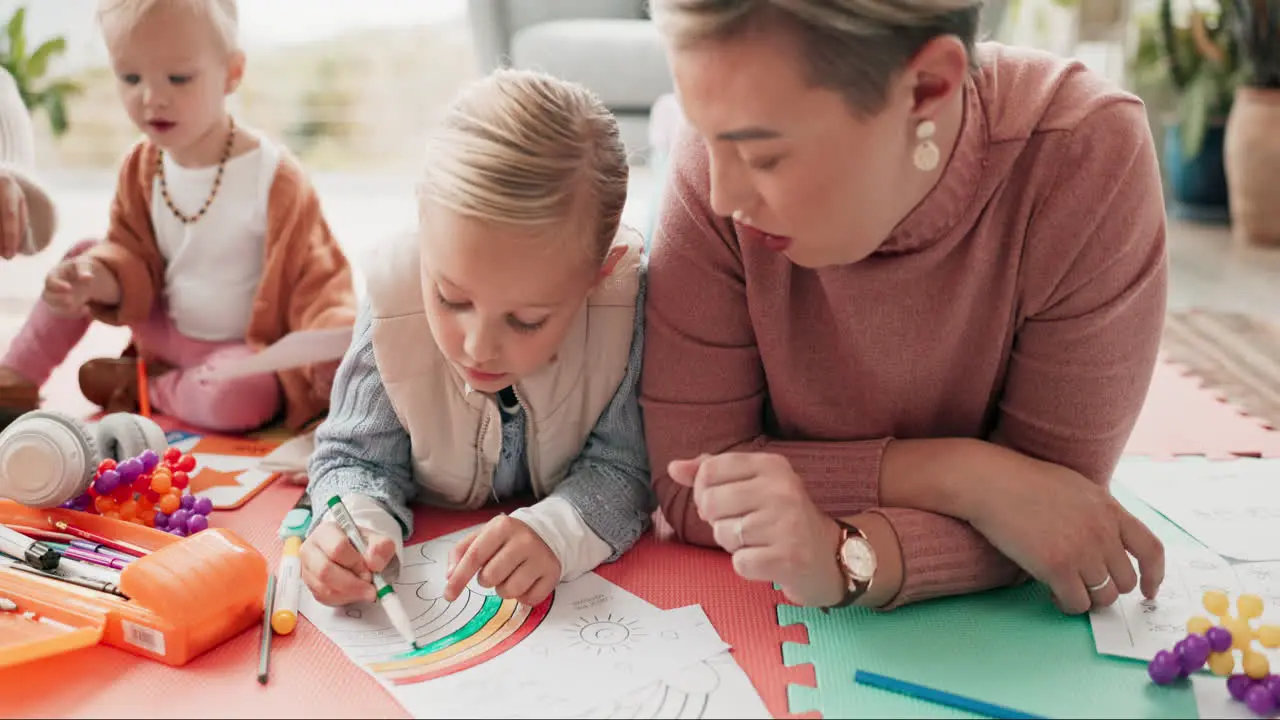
<point x="306" y="280"/>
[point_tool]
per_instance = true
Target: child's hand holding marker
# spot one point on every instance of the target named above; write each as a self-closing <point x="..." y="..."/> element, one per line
<point x="509" y="557"/>
<point x="335" y="571"/>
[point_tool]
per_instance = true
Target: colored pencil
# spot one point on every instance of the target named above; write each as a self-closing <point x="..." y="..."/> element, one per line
<point x="940" y="697"/>
<point x="264" y="659"/>
<point x="120" y="545"/>
<point x="42" y="534"/>
<point x="144" y="394"/>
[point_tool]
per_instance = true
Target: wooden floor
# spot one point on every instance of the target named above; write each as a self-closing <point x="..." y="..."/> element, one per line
<point x="1208" y="270"/>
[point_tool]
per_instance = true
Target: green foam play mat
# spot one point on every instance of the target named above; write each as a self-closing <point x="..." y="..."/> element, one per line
<point x="1009" y="647"/>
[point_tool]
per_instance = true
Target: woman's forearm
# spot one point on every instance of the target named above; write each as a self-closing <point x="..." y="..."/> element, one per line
<point x="940" y="475"/>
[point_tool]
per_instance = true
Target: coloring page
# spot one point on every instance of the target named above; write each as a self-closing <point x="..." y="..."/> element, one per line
<point x="1138" y="628"/>
<point x="714" y="688"/>
<point x="589" y="643"/>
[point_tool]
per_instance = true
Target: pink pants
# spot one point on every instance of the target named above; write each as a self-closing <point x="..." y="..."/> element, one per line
<point x="222" y="405"/>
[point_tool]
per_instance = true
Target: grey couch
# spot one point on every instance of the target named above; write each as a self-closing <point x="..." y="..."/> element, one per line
<point x="608" y="45"/>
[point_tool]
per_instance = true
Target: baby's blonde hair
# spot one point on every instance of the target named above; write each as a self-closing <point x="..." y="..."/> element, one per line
<point x="851" y="46"/>
<point x="117" y="16"/>
<point x="527" y="149"/>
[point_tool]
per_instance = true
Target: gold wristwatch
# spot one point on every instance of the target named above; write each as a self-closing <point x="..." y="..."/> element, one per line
<point x="857" y="561"/>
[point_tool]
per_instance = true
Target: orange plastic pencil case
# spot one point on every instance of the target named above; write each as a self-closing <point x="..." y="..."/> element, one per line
<point x="186" y="596"/>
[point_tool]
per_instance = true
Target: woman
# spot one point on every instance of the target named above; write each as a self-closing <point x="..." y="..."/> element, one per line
<point x="904" y="306"/>
<point x="27" y="217"/>
<point x="26" y="212"/>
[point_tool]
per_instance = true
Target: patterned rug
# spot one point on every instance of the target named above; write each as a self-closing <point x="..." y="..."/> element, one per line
<point x="1237" y="355"/>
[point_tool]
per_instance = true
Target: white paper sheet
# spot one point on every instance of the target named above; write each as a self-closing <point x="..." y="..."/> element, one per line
<point x="714" y="688"/>
<point x="292" y="456"/>
<point x="596" y="643"/>
<point x="1231" y="506"/>
<point x="1138" y="628"/>
<point x="304" y="347"/>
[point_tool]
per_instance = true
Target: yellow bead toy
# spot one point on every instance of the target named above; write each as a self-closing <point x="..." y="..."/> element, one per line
<point x="1235" y="634"/>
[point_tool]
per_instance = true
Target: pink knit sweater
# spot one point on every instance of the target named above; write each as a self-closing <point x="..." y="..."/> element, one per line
<point x="1021" y="302"/>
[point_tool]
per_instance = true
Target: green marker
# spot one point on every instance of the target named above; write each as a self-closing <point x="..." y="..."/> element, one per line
<point x="386" y="594"/>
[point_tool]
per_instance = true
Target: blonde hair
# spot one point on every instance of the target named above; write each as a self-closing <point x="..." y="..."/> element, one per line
<point x="527" y="149"/>
<point x="117" y="16"/>
<point x="852" y="46"/>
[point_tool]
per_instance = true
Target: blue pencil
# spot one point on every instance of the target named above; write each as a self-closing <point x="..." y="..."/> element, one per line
<point x="902" y="687"/>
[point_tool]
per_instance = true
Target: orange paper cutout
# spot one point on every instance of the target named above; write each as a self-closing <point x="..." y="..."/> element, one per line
<point x="208" y="478"/>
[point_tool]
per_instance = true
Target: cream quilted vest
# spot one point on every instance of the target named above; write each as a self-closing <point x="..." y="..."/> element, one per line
<point x="456" y="432"/>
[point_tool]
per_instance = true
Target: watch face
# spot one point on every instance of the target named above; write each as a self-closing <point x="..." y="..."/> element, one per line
<point x="858" y="558"/>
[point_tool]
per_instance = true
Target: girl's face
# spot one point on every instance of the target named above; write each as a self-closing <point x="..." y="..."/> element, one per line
<point x="173" y="76"/>
<point x="500" y="299"/>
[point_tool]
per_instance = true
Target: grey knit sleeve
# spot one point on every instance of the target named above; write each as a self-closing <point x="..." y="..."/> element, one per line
<point x="361" y="448"/>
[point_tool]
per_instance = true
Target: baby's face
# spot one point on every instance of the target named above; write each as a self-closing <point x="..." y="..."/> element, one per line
<point x="499" y="299"/>
<point x="173" y="75"/>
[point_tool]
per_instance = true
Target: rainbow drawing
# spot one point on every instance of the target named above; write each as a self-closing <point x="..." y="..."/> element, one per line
<point x="462" y="634"/>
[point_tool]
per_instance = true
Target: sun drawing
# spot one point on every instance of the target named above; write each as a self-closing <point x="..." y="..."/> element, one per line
<point x="608" y="634"/>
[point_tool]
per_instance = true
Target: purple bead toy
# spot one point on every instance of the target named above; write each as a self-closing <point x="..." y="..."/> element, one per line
<point x="1164" y="668"/>
<point x="129" y="470"/>
<point x="1192" y="652"/>
<point x="1272" y="683"/>
<point x="1219" y="638"/>
<point x="107" y="482"/>
<point x="196" y="523"/>
<point x="149" y="460"/>
<point x="188" y="501"/>
<point x="178" y="520"/>
<point x="1238" y="685"/>
<point x="203" y="506"/>
<point x="162" y="520"/>
<point x="1260" y="700"/>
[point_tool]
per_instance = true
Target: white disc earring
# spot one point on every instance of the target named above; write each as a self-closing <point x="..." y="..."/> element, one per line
<point x="926" y="155"/>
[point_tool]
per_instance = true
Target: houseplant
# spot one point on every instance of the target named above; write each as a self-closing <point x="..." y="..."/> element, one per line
<point x="29" y="69"/>
<point x="1253" y="128"/>
<point x="1193" y="67"/>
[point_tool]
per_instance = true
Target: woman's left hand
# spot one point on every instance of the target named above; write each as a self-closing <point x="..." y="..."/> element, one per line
<point x="761" y="513"/>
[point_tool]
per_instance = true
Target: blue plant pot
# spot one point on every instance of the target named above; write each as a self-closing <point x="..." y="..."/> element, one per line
<point x="1198" y="185"/>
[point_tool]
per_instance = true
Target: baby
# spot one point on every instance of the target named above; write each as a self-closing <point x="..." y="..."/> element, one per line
<point x="216" y="247"/>
<point x="497" y="356"/>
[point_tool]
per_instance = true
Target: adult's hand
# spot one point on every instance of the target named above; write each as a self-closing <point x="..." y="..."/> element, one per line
<point x="761" y="513"/>
<point x="15" y="223"/>
<point x="1066" y="531"/>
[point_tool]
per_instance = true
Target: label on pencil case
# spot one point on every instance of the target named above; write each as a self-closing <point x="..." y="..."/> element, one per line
<point x="143" y="637"/>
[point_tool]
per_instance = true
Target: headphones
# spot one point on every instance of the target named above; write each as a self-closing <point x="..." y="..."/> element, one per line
<point x="47" y="458"/>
